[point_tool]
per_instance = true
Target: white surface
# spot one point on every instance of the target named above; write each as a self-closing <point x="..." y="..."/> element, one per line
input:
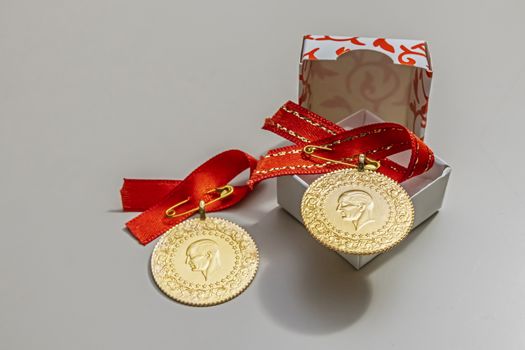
<point x="92" y="91"/>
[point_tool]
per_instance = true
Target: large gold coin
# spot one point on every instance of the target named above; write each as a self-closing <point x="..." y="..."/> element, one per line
<point x="204" y="262"/>
<point x="357" y="212"/>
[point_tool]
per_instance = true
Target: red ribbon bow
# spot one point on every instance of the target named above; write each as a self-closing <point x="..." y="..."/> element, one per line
<point x="158" y="198"/>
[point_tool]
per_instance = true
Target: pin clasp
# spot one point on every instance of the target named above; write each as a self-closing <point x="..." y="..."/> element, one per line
<point x="223" y="191"/>
<point x="364" y="163"/>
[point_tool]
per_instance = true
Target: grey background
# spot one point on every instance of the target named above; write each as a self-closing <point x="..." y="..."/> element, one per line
<point x="94" y="91"/>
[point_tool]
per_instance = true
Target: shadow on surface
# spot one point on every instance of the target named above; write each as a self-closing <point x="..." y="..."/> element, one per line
<point x="398" y="249"/>
<point x="302" y="285"/>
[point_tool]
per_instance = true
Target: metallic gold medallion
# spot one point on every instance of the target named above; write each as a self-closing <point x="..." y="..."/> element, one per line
<point x="357" y="211"/>
<point x="204" y="262"/>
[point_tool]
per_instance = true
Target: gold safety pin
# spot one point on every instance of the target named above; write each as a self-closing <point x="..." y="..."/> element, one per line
<point x="364" y="162"/>
<point x="224" y="191"/>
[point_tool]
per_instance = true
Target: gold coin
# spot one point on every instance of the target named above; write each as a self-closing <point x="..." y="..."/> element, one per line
<point x="357" y="212"/>
<point x="204" y="262"/>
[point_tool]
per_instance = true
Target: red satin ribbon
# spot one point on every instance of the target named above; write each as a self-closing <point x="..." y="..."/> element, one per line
<point x="159" y="195"/>
<point x="293" y="122"/>
<point x="377" y="141"/>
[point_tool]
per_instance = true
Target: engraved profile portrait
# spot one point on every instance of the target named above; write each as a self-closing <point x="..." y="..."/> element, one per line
<point x="357" y="207"/>
<point x="203" y="256"/>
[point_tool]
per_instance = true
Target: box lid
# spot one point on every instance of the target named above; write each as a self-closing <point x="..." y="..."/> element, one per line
<point x="390" y="77"/>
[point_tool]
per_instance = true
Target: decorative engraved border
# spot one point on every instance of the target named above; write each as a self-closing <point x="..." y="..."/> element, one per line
<point x="397" y="227"/>
<point x="205" y="294"/>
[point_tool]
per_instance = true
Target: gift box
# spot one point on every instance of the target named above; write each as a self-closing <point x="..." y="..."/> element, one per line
<point x="357" y="81"/>
<point x="389" y="77"/>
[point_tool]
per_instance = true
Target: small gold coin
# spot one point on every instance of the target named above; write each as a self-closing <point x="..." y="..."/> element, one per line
<point x="357" y="212"/>
<point x="204" y="262"/>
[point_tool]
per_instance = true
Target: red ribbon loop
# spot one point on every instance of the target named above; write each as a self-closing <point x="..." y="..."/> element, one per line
<point x="299" y="125"/>
<point x="160" y="195"/>
<point x="376" y="141"/>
